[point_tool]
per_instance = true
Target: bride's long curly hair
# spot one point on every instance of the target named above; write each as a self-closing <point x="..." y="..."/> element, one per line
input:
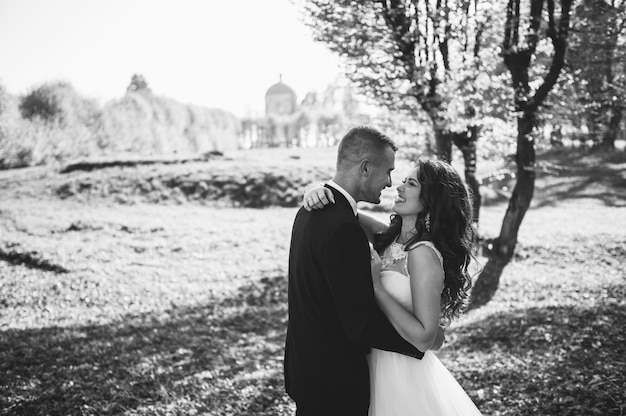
<point x="447" y="202"/>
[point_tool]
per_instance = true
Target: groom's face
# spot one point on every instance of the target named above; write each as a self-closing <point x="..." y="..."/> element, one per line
<point x="379" y="177"/>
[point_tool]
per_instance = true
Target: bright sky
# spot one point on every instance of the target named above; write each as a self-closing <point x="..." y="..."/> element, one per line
<point x="215" y="53"/>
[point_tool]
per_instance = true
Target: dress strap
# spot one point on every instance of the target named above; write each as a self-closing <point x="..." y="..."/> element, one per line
<point x="428" y="244"/>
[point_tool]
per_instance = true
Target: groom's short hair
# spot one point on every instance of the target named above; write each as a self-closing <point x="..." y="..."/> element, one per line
<point x="362" y="142"/>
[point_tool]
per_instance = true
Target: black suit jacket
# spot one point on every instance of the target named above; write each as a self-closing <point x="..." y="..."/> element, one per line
<point x="333" y="316"/>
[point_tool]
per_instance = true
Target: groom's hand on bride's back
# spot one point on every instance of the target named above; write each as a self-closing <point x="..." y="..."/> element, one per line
<point x="317" y="196"/>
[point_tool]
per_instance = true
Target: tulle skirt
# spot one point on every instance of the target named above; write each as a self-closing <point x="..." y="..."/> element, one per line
<point x="403" y="386"/>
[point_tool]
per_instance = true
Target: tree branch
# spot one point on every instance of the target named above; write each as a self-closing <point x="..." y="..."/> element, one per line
<point x="559" y="41"/>
<point x="536" y="9"/>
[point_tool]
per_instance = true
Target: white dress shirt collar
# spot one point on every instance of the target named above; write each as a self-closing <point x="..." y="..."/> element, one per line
<point x="345" y="193"/>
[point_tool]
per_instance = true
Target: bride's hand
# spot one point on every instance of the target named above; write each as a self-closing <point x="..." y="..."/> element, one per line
<point x="316" y="196"/>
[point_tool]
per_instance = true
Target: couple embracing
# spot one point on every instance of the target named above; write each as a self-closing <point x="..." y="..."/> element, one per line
<point x="362" y="320"/>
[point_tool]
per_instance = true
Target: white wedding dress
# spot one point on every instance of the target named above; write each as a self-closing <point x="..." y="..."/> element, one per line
<point x="401" y="385"/>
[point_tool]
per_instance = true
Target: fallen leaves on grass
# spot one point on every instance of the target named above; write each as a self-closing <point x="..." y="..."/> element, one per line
<point x="548" y="361"/>
<point x="222" y="358"/>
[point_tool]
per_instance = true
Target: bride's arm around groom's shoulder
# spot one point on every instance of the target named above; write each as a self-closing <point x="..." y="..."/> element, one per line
<point x="371" y="224"/>
<point x="317" y="196"/>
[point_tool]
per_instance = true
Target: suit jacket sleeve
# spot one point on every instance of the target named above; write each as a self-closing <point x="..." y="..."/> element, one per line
<point x="348" y="272"/>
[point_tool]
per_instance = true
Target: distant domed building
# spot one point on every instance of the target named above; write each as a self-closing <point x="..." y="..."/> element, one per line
<point x="316" y="121"/>
<point x="280" y="126"/>
<point x="280" y="99"/>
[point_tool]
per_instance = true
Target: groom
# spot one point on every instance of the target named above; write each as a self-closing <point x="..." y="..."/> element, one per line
<point x="333" y="316"/>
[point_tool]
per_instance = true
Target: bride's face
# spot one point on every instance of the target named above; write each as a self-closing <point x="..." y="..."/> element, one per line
<point x="408" y="200"/>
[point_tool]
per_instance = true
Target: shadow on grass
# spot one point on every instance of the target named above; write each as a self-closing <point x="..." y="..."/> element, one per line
<point x="582" y="174"/>
<point x="601" y="182"/>
<point x="225" y="358"/>
<point x="572" y="174"/>
<point x="548" y="361"/>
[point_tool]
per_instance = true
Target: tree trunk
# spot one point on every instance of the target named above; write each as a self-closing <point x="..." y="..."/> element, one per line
<point x="518" y="59"/>
<point x="500" y="250"/>
<point x="612" y="128"/>
<point x="466" y="142"/>
<point x="443" y="142"/>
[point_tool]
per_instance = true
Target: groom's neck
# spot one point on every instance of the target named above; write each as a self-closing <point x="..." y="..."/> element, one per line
<point x="349" y="184"/>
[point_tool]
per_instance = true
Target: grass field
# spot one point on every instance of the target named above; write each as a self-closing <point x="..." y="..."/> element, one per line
<point x="180" y="308"/>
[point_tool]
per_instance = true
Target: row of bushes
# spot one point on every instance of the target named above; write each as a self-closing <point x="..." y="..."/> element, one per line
<point x="53" y="123"/>
<point x="248" y="186"/>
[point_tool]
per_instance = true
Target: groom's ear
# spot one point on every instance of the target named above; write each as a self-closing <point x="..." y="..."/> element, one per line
<point x="365" y="167"/>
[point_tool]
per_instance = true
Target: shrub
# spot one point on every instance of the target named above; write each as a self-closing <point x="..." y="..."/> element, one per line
<point x="15" y="150"/>
<point x="58" y="102"/>
<point x="138" y="83"/>
<point x="52" y="123"/>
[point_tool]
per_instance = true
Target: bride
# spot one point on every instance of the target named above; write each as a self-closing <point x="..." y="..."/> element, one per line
<point x="423" y="282"/>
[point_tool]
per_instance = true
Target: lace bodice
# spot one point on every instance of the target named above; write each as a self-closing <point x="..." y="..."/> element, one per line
<point x="394" y="274"/>
<point x="393" y="253"/>
<point x="396" y="254"/>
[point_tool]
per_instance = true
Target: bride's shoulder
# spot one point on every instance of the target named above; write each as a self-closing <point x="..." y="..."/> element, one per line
<point x="425" y="249"/>
<point x="421" y="243"/>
